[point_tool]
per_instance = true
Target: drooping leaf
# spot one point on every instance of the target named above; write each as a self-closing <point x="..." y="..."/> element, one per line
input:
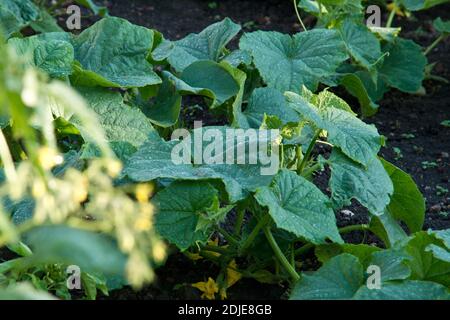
<point x="180" y="207"/>
<point x="353" y="84"/>
<point x="407" y="202"/>
<point x="287" y="63"/>
<point x="45" y="23"/>
<point x="112" y="53"/>
<point x="371" y="186"/>
<point x="298" y="206"/>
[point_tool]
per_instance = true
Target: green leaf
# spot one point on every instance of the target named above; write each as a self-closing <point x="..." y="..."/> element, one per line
<point x="166" y="108"/>
<point x="392" y="264"/>
<point x="416" y="5"/>
<point x="112" y="53"/>
<point x="271" y="102"/>
<point x="442" y="26"/>
<point x="404" y="67"/>
<point x="16" y="15"/>
<point x="298" y="206"/>
<point x="407" y="202"/>
<point x="102" y="11"/>
<point x="425" y="265"/>
<point x="406" y="290"/>
<point x="45" y="23"/>
<point x="339" y="278"/>
<point x="180" y="207"/>
<point x="24" y="291"/>
<point x="287" y="63"/>
<point x="154" y="160"/>
<point x="359" y="141"/>
<point x="92" y="252"/>
<point x="362" y="251"/>
<point x="212" y="76"/>
<point x="354" y="85"/>
<point x="361" y="43"/>
<point x="371" y="186"/>
<point x="342" y="277"/>
<point x="387" y="229"/>
<point x="51" y="52"/>
<point x="120" y="122"/>
<point x="206" y="45"/>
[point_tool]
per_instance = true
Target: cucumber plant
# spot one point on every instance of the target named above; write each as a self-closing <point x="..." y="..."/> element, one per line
<point x="97" y="111"/>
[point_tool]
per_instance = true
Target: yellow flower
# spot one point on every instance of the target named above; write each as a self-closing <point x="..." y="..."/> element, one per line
<point x="393" y="7"/>
<point x="143" y="224"/>
<point x="233" y="276"/>
<point x="223" y="294"/>
<point x="114" y="167"/>
<point x="159" y="251"/>
<point x="209" y="288"/>
<point x="143" y="192"/>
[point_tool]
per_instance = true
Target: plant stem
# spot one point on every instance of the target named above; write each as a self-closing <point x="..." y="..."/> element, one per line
<point x="434" y="44"/>
<point x="261" y="223"/>
<point x="239" y="221"/>
<point x="214" y="249"/>
<point x="298" y="15"/>
<point x="311" y="170"/>
<point x="5" y="156"/>
<point x="308" y="152"/>
<point x="356" y="227"/>
<point x="280" y="256"/>
<point x="391" y="18"/>
<point x="227" y="236"/>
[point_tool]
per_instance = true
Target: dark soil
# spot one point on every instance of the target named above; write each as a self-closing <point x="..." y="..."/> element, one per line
<point x="417" y="142"/>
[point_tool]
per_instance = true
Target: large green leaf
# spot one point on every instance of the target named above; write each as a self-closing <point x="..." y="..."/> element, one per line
<point x="407" y="202"/>
<point x="404" y="67"/>
<point x="154" y="160"/>
<point x="339" y="278"/>
<point x="406" y="290"/>
<point x="119" y="121"/>
<point x="212" y="76"/>
<point x="180" y="207"/>
<point x="359" y="141"/>
<point x="51" y="52"/>
<point x="442" y="26"/>
<point x="112" y="53"/>
<point x="371" y="186"/>
<point x="287" y="63"/>
<point x="267" y="101"/>
<point x="24" y="291"/>
<point x="16" y="14"/>
<point x="206" y="45"/>
<point x="298" y="206"/>
<point x="428" y="262"/>
<point x="342" y="277"/>
<point x="361" y="43"/>
<point x="92" y="252"/>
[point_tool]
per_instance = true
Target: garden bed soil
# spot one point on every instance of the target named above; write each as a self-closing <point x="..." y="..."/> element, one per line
<point x="416" y="140"/>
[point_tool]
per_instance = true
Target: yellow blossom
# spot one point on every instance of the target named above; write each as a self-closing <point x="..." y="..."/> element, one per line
<point x="393" y="7"/>
<point x="144" y="192"/>
<point x="159" y="251"/>
<point x="209" y="288"/>
<point x="143" y="224"/>
<point x="114" y="167"/>
<point x="233" y="275"/>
